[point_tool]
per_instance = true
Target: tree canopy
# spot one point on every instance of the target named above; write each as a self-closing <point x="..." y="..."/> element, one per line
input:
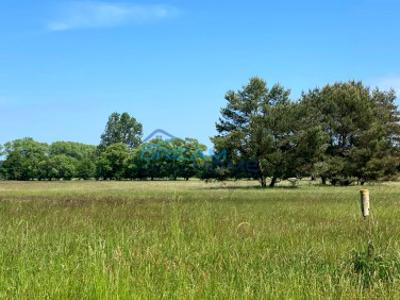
<point x="27" y="159"/>
<point x="259" y="127"/>
<point x="122" y="128"/>
<point x="362" y="130"/>
<point x="341" y="133"/>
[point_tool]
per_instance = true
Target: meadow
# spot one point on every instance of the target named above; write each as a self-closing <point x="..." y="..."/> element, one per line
<point x="196" y="240"/>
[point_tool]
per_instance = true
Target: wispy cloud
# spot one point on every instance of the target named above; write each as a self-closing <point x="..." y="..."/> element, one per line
<point x="84" y="15"/>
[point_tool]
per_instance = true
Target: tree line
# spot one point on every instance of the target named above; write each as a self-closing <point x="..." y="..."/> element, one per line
<point x="120" y="155"/>
<point x="341" y="133"/>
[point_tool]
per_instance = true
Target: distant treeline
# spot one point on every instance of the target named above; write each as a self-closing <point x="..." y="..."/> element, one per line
<point x="27" y="159"/>
<point x="341" y="133"/>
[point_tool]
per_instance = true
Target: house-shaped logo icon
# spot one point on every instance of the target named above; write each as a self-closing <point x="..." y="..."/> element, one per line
<point x="159" y="134"/>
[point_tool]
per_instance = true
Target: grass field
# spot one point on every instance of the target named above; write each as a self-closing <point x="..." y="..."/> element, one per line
<point x="192" y="240"/>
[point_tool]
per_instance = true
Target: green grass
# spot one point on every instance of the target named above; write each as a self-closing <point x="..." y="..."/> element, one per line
<point x="192" y="240"/>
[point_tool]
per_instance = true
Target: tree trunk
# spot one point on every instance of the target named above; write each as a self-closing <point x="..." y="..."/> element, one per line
<point x="273" y="181"/>
<point x="263" y="181"/>
<point x="323" y="179"/>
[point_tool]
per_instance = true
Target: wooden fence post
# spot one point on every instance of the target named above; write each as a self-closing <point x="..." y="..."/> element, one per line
<point x="364" y="200"/>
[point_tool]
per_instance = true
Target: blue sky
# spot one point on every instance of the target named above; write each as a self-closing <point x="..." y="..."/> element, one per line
<point x="66" y="65"/>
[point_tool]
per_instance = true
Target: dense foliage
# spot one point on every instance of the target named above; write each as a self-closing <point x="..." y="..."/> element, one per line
<point x="362" y="132"/>
<point x="261" y="129"/>
<point x="341" y="133"/>
<point x="122" y="128"/>
<point x="26" y="159"/>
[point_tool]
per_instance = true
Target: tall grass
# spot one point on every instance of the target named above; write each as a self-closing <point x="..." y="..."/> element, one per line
<point x="191" y="240"/>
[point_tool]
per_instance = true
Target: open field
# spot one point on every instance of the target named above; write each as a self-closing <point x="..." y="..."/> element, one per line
<point x="120" y="240"/>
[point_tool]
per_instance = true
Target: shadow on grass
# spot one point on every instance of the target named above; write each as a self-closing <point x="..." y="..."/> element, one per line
<point x="254" y="187"/>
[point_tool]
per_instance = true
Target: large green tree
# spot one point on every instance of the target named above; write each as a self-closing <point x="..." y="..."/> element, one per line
<point x="113" y="162"/>
<point x="79" y="157"/>
<point x="259" y="127"/>
<point x="362" y="130"/>
<point x="72" y="149"/>
<point x="58" y="166"/>
<point x="23" y="159"/>
<point x="168" y="159"/>
<point x="86" y="167"/>
<point x="188" y="157"/>
<point x="152" y="160"/>
<point x="122" y="128"/>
